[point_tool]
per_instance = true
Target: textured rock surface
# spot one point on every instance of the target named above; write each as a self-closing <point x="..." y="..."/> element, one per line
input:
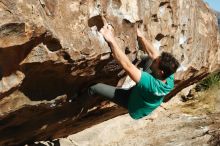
<point x="218" y="16"/>
<point x="51" y="48"/>
<point x="174" y="123"/>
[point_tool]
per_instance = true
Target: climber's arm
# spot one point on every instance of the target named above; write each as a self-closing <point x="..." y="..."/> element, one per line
<point x="132" y="70"/>
<point x="148" y="47"/>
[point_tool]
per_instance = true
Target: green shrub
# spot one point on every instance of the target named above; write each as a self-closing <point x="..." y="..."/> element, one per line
<point x="210" y="81"/>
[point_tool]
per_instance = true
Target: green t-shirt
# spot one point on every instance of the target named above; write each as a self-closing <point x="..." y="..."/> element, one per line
<point x="148" y="94"/>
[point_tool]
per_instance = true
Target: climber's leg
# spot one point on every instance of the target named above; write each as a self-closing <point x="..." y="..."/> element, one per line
<point x="116" y="95"/>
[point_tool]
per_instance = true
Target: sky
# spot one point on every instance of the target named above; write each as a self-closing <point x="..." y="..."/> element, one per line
<point x="214" y="4"/>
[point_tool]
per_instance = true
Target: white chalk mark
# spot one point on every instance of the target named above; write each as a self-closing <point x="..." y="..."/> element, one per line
<point x="182" y="68"/>
<point x="182" y="40"/>
<point x="157" y="45"/>
<point x="162" y="10"/>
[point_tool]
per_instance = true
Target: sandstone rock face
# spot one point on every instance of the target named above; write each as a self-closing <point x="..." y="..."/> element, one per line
<point x="50" y="49"/>
<point x="218" y="16"/>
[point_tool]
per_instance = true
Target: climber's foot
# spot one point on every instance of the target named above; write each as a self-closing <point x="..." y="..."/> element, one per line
<point x="74" y="96"/>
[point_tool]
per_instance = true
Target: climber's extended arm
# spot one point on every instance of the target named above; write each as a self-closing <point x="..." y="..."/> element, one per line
<point x="132" y="70"/>
<point x="148" y="47"/>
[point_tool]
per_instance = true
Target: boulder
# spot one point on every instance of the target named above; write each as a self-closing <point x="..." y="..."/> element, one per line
<point x="51" y="49"/>
<point x="218" y="17"/>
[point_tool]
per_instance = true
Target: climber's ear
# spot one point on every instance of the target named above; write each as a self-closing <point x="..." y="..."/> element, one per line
<point x="162" y="73"/>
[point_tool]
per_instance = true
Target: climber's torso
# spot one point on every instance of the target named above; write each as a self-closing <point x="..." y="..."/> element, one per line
<point x="148" y="94"/>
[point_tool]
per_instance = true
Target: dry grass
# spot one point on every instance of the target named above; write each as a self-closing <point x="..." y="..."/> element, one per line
<point x="206" y="101"/>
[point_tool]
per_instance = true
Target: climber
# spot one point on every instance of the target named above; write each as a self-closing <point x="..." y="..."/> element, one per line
<point x="148" y="93"/>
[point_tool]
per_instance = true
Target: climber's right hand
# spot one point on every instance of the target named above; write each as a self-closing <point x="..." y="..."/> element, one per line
<point x="139" y="33"/>
<point x="108" y="33"/>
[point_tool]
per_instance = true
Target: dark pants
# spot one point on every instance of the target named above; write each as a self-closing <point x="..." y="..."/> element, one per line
<point x="115" y="94"/>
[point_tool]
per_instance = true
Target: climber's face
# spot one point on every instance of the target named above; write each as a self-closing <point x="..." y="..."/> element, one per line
<point x="157" y="73"/>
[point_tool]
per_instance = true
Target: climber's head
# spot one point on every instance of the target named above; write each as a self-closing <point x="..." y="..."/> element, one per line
<point x="164" y="66"/>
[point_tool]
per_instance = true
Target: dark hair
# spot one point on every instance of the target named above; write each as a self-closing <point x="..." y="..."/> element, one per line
<point x="168" y="64"/>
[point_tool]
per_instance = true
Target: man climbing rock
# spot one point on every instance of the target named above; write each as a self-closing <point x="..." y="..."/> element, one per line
<point x="148" y="93"/>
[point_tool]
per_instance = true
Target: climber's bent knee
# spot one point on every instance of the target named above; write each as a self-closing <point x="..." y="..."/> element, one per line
<point x="92" y="90"/>
<point x="102" y="90"/>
